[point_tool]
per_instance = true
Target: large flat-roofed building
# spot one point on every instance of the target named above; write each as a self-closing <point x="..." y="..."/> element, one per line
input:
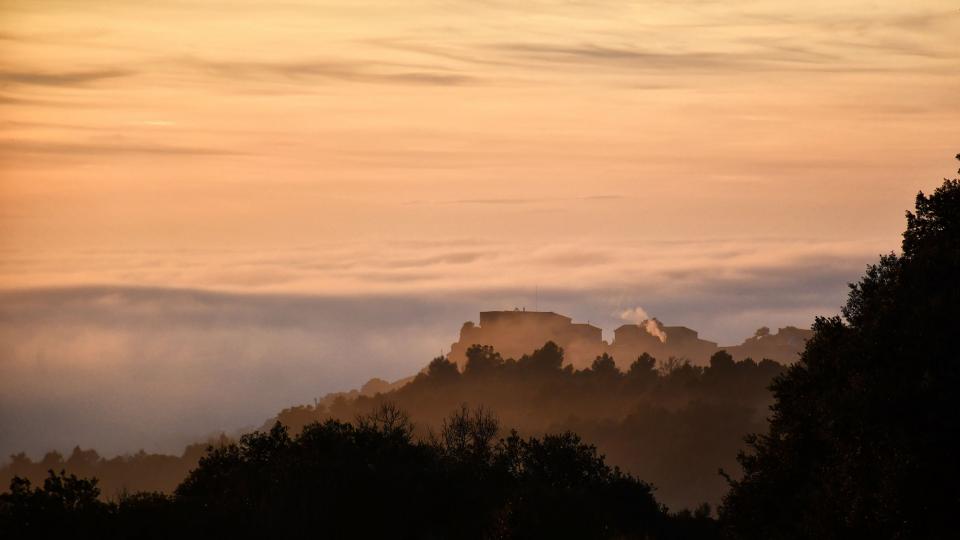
<point x="518" y="332"/>
<point x="632" y="340"/>
<point x="546" y="318"/>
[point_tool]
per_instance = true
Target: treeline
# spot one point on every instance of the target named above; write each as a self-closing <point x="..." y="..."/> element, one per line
<point x="371" y="478"/>
<point x="130" y="473"/>
<point x="671" y="423"/>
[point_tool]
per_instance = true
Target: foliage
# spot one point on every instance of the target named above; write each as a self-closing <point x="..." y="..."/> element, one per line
<point x="672" y="423"/>
<point x="865" y="429"/>
<point x="369" y="479"/>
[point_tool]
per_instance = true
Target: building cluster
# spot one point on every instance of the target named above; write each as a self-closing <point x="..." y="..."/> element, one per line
<point x="518" y="332"/>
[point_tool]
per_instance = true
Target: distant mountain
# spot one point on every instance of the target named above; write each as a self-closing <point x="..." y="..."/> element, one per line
<point x="515" y="333"/>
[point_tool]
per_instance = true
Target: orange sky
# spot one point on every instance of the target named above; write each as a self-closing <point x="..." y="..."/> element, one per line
<point x="372" y="145"/>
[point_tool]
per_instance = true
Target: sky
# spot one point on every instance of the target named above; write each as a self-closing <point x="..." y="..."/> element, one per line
<point x="178" y="176"/>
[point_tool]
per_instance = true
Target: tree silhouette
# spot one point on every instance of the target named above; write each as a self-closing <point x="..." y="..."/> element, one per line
<point x="604" y="366"/>
<point x="369" y="479"/>
<point x="482" y="360"/>
<point x="64" y="505"/>
<point x="865" y="429"/>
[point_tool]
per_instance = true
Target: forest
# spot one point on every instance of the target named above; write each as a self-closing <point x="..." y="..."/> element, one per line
<point x="671" y="423"/>
<point x="857" y="439"/>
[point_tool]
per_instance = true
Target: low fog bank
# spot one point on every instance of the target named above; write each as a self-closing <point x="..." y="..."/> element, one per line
<point x="124" y="369"/>
<point x="120" y="369"/>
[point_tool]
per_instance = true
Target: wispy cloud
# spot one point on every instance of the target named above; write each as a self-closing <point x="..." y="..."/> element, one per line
<point x="333" y="70"/>
<point x="13" y="147"/>
<point x="515" y="201"/>
<point x="501" y="201"/>
<point x="765" y="55"/>
<point x="680" y="267"/>
<point x="63" y="78"/>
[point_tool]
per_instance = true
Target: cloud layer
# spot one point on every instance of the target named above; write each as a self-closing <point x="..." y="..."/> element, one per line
<point x="439" y="266"/>
<point x="125" y="367"/>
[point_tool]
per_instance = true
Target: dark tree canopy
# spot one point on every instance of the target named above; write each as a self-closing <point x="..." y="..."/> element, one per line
<point x="671" y="423"/>
<point x="369" y="479"/>
<point x="865" y="430"/>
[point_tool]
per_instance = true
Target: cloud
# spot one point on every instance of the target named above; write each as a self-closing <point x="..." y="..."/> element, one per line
<point x="62" y="79"/>
<point x="512" y="201"/>
<point x="10" y="100"/>
<point x="19" y="100"/>
<point x="804" y="40"/>
<point x="734" y="273"/>
<point x="343" y="71"/>
<point x="765" y="56"/>
<point x="453" y="257"/>
<point x="502" y="201"/>
<point x="23" y="147"/>
<point x="124" y="368"/>
<point x="93" y="365"/>
<point x="604" y="198"/>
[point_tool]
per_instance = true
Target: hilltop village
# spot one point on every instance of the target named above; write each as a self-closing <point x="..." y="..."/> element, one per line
<point x="518" y="332"/>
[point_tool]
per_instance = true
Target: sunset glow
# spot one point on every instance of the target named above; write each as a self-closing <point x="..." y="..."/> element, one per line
<point x="215" y="214"/>
<point x="172" y="143"/>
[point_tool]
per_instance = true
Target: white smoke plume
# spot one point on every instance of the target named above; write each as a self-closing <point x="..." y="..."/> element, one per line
<point x="640" y="317"/>
<point x="652" y="326"/>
